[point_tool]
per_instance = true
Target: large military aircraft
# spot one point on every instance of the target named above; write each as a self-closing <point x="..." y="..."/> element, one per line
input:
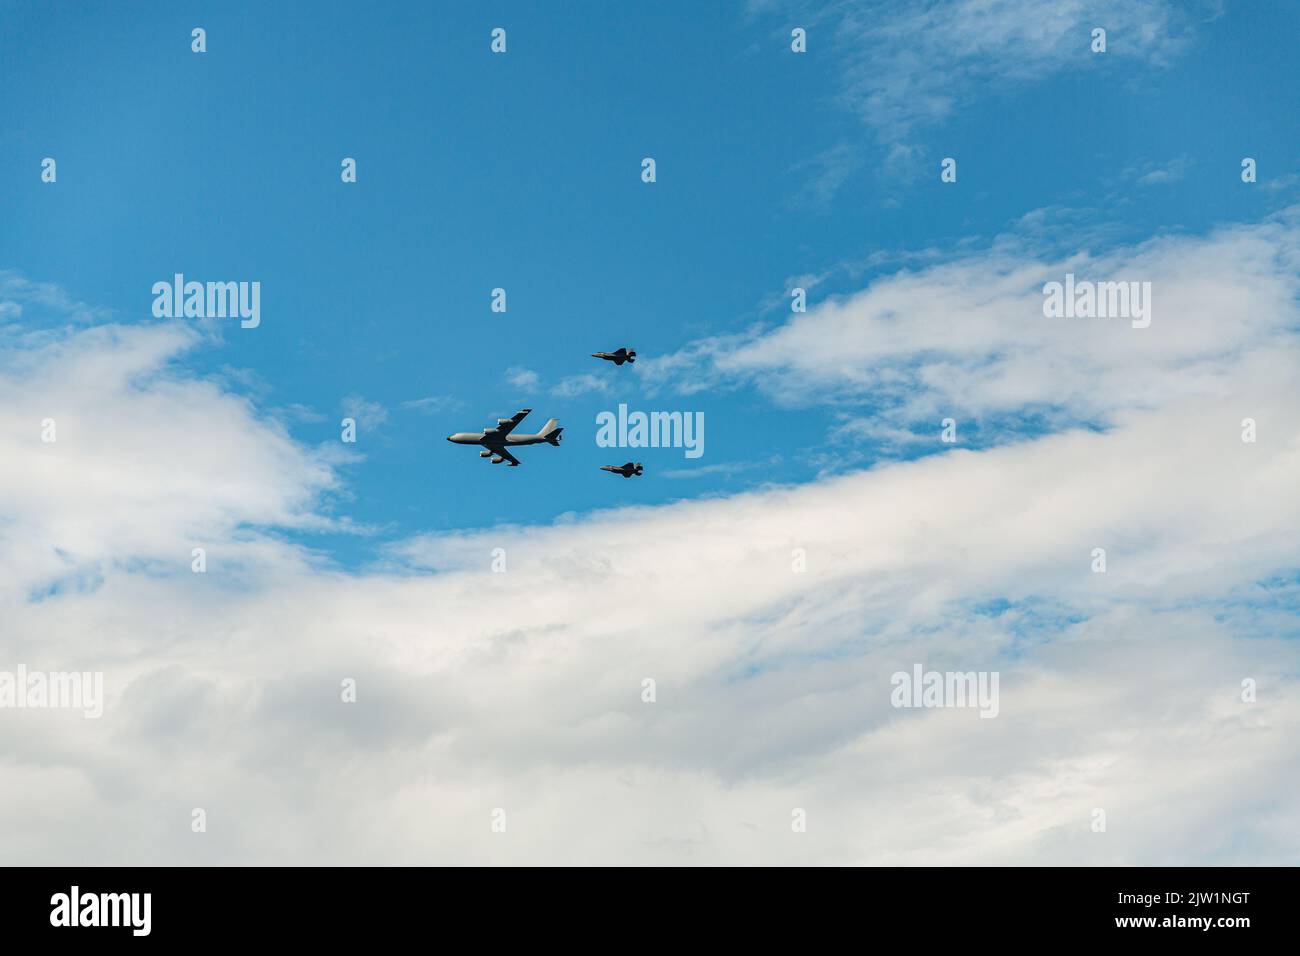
<point x="618" y="358"/>
<point x="496" y="439"/>
<point x="627" y="471"/>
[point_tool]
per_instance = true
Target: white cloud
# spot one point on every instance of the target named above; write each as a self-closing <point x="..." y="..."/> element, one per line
<point x="967" y="338"/>
<point x="911" y="65"/>
<point x="298" y="412"/>
<point x="719" y="468"/>
<point x="583" y="384"/>
<point x="522" y="377"/>
<point x="1158" y="174"/>
<point x="826" y="173"/>
<point x="906" y="67"/>
<point x="367" y="413"/>
<point x="147" y="463"/>
<point x="46" y="298"/>
<point x="432" y="403"/>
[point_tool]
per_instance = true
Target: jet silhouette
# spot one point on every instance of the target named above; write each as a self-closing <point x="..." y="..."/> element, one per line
<point x="627" y="471"/>
<point x="618" y="358"/>
<point x="496" y="439"/>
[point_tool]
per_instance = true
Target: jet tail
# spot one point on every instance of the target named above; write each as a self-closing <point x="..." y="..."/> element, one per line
<point x="551" y="431"/>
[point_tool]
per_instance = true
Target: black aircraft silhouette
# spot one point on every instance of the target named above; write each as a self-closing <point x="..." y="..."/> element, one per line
<point x="618" y="358"/>
<point x="627" y="471"/>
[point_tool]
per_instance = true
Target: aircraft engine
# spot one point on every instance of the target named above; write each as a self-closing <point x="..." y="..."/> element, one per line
<point x="485" y="454"/>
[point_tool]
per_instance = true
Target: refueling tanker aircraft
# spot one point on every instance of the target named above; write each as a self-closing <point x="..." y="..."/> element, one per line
<point x="496" y="440"/>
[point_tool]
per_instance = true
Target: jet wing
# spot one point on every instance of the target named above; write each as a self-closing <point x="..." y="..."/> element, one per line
<point x="506" y="425"/>
<point x="514" y="462"/>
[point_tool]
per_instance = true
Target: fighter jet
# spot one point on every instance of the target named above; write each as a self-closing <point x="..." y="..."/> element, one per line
<point x="496" y="439"/>
<point x="618" y="358"/>
<point x="627" y="471"/>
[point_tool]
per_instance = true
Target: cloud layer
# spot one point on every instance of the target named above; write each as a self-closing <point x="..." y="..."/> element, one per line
<point x="521" y="688"/>
<point x="909" y="65"/>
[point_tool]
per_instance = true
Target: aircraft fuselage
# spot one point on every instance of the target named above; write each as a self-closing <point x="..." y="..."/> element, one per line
<point x="489" y="441"/>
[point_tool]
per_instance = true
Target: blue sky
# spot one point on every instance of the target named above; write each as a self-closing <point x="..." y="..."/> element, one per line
<point x="522" y="171"/>
<point x="826" y="539"/>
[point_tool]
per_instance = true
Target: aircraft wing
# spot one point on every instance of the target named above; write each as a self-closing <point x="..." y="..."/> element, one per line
<point x="507" y="456"/>
<point x="506" y="425"/>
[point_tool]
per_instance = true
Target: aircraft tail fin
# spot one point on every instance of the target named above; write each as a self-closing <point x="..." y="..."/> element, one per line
<point x="551" y="431"/>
